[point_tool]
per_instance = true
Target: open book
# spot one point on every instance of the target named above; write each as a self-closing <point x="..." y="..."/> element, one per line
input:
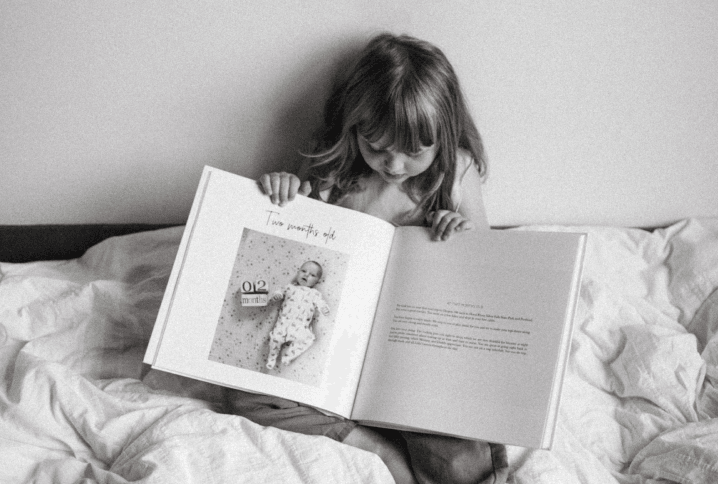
<point x="468" y="337"/>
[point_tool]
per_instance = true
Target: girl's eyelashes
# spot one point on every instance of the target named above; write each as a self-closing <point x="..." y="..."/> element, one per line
<point x="420" y="151"/>
<point x="372" y="148"/>
<point x="378" y="150"/>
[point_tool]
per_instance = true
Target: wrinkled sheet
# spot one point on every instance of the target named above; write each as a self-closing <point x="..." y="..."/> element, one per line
<point x="74" y="406"/>
<point x="640" y="397"/>
<point x="639" y="403"/>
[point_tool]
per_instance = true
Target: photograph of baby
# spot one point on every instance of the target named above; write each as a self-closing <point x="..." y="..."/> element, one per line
<point x="279" y="308"/>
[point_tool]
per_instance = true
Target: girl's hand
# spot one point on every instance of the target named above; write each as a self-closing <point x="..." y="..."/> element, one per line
<point x="283" y="187"/>
<point x="444" y="223"/>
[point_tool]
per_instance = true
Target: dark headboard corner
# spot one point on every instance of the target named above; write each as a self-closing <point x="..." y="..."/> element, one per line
<point x="26" y="243"/>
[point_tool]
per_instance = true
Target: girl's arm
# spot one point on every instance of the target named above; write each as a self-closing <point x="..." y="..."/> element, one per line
<point x="471" y="212"/>
<point x="472" y="198"/>
<point x="282" y="187"/>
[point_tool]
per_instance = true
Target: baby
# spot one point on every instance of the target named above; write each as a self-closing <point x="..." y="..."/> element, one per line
<point x="301" y="302"/>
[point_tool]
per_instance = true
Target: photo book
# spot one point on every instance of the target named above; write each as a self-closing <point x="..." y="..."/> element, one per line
<point x="356" y="317"/>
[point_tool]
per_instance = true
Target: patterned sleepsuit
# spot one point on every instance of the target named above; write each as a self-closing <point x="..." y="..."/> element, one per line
<point x="292" y="327"/>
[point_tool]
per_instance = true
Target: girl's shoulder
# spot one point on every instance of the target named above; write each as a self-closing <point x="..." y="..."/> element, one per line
<point x="466" y="192"/>
<point x="464" y="161"/>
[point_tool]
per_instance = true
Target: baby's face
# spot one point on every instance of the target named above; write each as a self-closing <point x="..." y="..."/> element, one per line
<point x="308" y="274"/>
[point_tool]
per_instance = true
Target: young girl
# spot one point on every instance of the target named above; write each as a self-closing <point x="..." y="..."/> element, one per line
<point x="300" y="304"/>
<point x="398" y="143"/>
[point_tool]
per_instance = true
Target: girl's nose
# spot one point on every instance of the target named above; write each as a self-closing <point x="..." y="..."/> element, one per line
<point x="395" y="162"/>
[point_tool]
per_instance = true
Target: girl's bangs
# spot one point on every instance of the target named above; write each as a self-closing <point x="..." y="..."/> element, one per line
<point x="407" y="128"/>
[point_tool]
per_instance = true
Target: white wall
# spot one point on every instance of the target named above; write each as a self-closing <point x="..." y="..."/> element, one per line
<point x="592" y="112"/>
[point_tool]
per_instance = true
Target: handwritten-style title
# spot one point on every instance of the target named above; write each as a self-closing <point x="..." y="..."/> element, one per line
<point x="273" y="220"/>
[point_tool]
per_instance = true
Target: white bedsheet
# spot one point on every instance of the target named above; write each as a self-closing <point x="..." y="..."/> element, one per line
<point x="639" y="403"/>
<point x="73" y="408"/>
<point x="640" y="396"/>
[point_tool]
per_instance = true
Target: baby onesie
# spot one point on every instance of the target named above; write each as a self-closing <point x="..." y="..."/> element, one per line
<point x="292" y="326"/>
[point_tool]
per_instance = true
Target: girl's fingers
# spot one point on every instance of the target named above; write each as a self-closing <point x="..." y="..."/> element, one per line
<point x="305" y="188"/>
<point x="265" y="182"/>
<point x="275" y="183"/>
<point x="445" y="223"/>
<point x="283" y="193"/>
<point x="452" y="223"/>
<point x="466" y="225"/>
<point x="283" y="187"/>
<point x="439" y="223"/>
<point x="294" y="184"/>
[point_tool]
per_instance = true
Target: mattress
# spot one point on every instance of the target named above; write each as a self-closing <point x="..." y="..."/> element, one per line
<point x="639" y="400"/>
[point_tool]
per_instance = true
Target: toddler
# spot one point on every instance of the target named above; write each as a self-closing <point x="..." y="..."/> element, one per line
<point x="301" y="301"/>
<point x="398" y="143"/>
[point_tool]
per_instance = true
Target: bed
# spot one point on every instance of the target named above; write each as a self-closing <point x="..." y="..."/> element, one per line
<point x="77" y="305"/>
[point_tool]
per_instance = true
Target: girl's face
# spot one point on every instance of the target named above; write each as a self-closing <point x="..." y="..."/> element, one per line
<point x="308" y="274"/>
<point x="393" y="166"/>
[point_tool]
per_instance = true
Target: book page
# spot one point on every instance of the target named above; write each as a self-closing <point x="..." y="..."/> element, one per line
<point x="234" y="303"/>
<point x="467" y="340"/>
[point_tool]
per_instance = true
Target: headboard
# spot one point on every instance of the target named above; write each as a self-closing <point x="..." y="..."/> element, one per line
<point x="26" y="243"/>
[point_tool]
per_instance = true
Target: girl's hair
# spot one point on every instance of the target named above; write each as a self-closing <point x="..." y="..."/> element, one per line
<point x="403" y="88"/>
